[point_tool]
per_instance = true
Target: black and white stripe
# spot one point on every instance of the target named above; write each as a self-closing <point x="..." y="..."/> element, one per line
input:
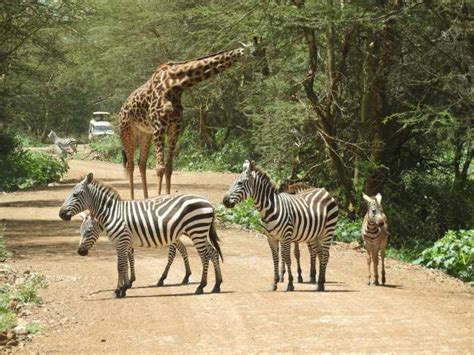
<point x="308" y="217"/>
<point x="147" y="223"/>
<point x="63" y="143"/>
<point x="375" y="234"/>
<point x="90" y="231"/>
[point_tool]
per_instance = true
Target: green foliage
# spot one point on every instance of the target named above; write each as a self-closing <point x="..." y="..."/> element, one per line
<point x="25" y="140"/>
<point x="34" y="327"/>
<point x="7" y="316"/>
<point x="348" y="230"/>
<point x="454" y="254"/>
<point x="20" y="169"/>
<point x="27" y="292"/>
<point x="4" y="253"/>
<point x="243" y="214"/>
<point x="107" y="148"/>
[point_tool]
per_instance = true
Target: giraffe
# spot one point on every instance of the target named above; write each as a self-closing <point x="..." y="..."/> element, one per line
<point x="155" y="110"/>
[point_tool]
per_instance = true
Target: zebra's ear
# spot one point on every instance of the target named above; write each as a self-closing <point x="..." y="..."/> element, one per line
<point x="89" y="178"/>
<point x="378" y="197"/>
<point x="366" y="198"/>
<point x="252" y="166"/>
<point x="245" y="165"/>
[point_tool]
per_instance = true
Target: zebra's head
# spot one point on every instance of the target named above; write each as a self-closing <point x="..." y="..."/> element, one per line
<point x="374" y="209"/>
<point x="242" y="187"/>
<point x="90" y="231"/>
<point x="77" y="201"/>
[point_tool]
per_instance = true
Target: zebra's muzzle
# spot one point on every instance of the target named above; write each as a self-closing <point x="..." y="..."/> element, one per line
<point x="82" y="251"/>
<point x="65" y="215"/>
<point x="227" y="202"/>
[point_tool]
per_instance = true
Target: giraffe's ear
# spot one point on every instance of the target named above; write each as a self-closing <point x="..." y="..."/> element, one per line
<point x="366" y="198"/>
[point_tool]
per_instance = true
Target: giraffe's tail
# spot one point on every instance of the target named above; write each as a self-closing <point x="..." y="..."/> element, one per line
<point x="124" y="159"/>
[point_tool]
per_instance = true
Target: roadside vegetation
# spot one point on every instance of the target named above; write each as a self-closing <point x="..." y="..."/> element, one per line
<point x="17" y="293"/>
<point x="20" y="169"/>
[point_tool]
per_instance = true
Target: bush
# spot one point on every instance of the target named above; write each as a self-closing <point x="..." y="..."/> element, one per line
<point x="454" y="254"/>
<point x="244" y="214"/>
<point x="107" y="148"/>
<point x="20" y="169"/>
<point x="348" y="230"/>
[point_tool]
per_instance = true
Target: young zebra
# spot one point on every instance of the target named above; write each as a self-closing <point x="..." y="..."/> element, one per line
<point x="375" y="234"/>
<point x="90" y="231"/>
<point x="63" y="143"/>
<point x="147" y="223"/>
<point x="308" y="217"/>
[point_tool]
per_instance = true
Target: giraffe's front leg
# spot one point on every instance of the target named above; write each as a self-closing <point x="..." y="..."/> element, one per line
<point x="159" y="138"/>
<point x="145" y="141"/>
<point x="174" y="130"/>
<point x="128" y="148"/>
<point x="274" y="249"/>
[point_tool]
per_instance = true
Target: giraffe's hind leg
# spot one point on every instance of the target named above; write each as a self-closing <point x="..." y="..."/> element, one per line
<point x="127" y="137"/>
<point x="145" y="140"/>
<point x="173" y="134"/>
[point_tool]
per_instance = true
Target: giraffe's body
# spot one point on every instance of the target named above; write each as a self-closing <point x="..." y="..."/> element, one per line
<point x="155" y="109"/>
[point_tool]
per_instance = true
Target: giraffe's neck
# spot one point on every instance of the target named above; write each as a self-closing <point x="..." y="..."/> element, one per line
<point x="186" y="74"/>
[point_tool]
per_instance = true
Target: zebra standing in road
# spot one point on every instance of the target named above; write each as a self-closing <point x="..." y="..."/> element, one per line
<point x="147" y="223"/>
<point x="63" y="143"/>
<point x="90" y="231"/>
<point x="308" y="217"/>
<point x="375" y="234"/>
<point x="295" y="189"/>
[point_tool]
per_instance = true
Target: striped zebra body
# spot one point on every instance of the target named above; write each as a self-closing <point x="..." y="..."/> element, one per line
<point x="295" y="189"/>
<point x="147" y="223"/>
<point x="63" y="143"/>
<point x="375" y="234"/>
<point x="308" y="217"/>
<point x="91" y="229"/>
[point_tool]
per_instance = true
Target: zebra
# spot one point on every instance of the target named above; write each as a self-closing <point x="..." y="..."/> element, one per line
<point x="295" y="189"/>
<point x="63" y="143"/>
<point x="375" y="233"/>
<point x="147" y="223"/>
<point x="90" y="231"/>
<point x="308" y="217"/>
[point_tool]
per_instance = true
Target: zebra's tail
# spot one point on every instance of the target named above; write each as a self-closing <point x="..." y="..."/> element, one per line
<point x="215" y="240"/>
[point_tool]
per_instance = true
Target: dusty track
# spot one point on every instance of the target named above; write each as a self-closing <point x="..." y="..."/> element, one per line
<point x="419" y="309"/>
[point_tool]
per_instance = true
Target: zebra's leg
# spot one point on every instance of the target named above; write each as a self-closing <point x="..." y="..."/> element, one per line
<point x="274" y="248"/>
<point x="131" y="260"/>
<point x="369" y="259"/>
<point x="217" y="271"/>
<point x="375" y="262"/>
<point x="204" y="250"/>
<point x="282" y="268"/>
<point x="171" y="256"/>
<point x="184" y="254"/>
<point x="298" y="263"/>
<point x="323" y="255"/>
<point x="286" y="252"/>
<point x="122" y="267"/>
<point x="382" y="256"/>
<point x="312" y="273"/>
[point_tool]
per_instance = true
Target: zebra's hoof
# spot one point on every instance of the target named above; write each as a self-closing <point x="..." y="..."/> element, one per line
<point x="119" y="293"/>
<point x="312" y="280"/>
<point x="290" y="288"/>
<point x="300" y="279"/>
<point x="320" y="288"/>
<point x="273" y="287"/>
<point x="185" y="280"/>
<point x="216" y="289"/>
<point x="161" y="282"/>
<point x="199" y="291"/>
<point x="376" y="283"/>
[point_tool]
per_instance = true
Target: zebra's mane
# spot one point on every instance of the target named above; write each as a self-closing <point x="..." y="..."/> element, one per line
<point x="264" y="176"/>
<point x="107" y="188"/>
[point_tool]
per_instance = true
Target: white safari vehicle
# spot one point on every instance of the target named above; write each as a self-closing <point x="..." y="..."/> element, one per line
<point x="100" y="125"/>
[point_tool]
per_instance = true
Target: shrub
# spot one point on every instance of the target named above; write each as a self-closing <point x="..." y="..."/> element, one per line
<point x="107" y="148"/>
<point x="454" y="254"/>
<point x="243" y="214"/>
<point x="348" y="230"/>
<point x="27" y="292"/>
<point x="20" y="169"/>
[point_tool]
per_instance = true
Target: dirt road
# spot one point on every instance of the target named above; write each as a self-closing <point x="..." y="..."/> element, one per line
<point x="419" y="309"/>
